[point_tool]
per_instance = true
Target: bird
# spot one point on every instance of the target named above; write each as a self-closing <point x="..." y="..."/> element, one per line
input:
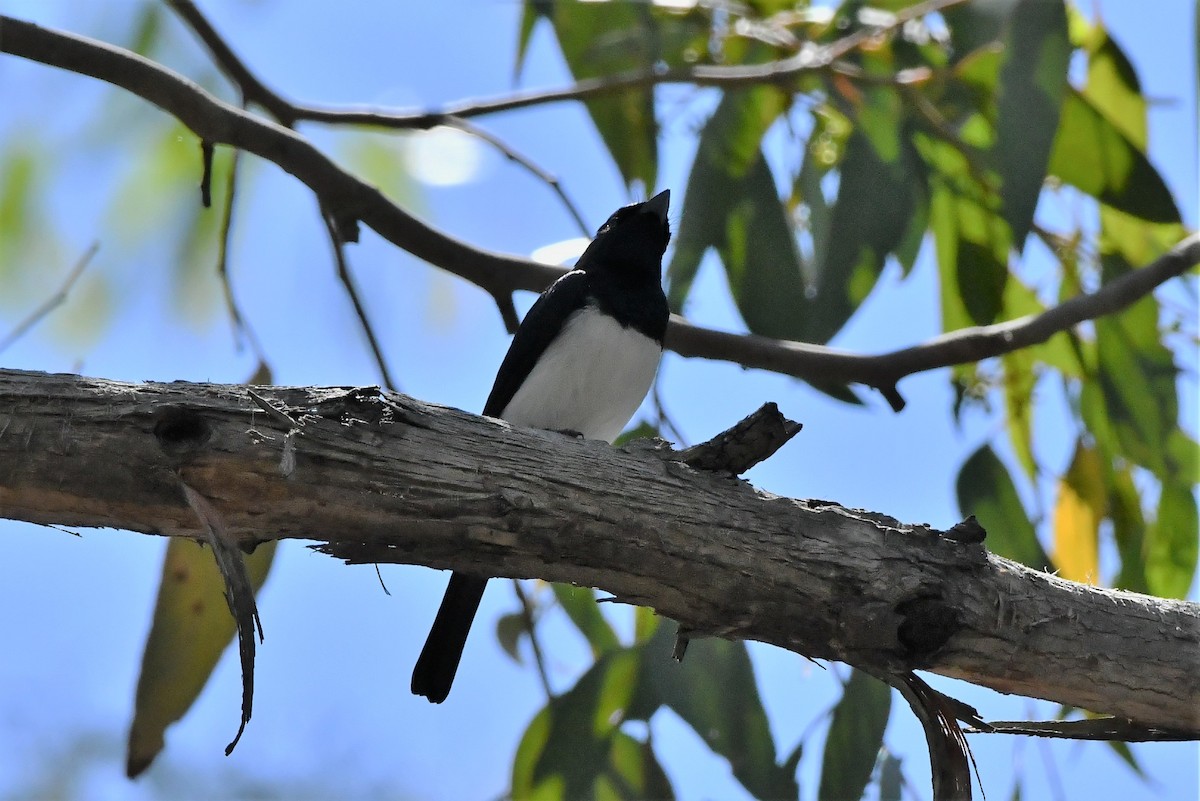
<point x="581" y="362"/>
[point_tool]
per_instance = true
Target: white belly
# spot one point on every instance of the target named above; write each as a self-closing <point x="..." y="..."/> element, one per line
<point x="591" y="379"/>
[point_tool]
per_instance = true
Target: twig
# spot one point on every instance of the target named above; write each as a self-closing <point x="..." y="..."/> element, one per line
<point x="252" y="89"/>
<point x="511" y="154"/>
<point x="538" y="657"/>
<point x="1102" y="728"/>
<point x="343" y="272"/>
<point x="241" y="325"/>
<point x="206" y="160"/>
<point x="665" y="424"/>
<point x="499" y="274"/>
<point x="53" y="302"/>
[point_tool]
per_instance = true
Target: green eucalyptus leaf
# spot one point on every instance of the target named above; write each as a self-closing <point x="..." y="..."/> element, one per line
<point x="714" y="691"/>
<point x="510" y="629"/>
<point x="1129" y="530"/>
<point x="580" y="605"/>
<point x="855" y="738"/>
<point x="1137" y="378"/>
<point x="642" y="430"/>
<point x="986" y="490"/>
<point x="762" y="260"/>
<point x="727" y="151"/>
<point x="1173" y="543"/>
<point x="574" y="748"/>
<point x="876" y="201"/>
<point x="1097" y="158"/>
<point x="1029" y="95"/>
<point x="605" y="39"/>
<point x="1113" y="87"/>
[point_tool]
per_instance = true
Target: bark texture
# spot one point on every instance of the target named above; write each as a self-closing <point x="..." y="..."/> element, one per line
<point x="380" y="477"/>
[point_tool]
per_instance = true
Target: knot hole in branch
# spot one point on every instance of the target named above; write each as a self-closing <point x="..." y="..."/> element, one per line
<point x="180" y="430"/>
<point x="927" y="622"/>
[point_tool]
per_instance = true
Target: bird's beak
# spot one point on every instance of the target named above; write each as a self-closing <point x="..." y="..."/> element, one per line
<point x="659" y="204"/>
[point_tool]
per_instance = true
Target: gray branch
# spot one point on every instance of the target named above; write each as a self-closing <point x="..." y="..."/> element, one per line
<point x="377" y="477"/>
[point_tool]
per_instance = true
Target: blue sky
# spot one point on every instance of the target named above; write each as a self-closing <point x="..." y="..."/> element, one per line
<point x="333" y="715"/>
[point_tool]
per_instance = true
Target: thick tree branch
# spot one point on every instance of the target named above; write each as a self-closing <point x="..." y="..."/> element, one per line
<point x="350" y="200"/>
<point x="386" y="478"/>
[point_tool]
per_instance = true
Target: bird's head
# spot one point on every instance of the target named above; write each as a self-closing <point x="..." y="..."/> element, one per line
<point x="631" y="243"/>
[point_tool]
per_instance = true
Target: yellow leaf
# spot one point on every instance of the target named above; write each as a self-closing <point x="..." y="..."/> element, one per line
<point x="1081" y="505"/>
<point x="192" y="627"/>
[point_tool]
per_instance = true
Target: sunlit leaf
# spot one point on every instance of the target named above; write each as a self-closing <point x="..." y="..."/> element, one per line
<point x="636" y="772"/>
<point x="574" y="748"/>
<point x="1173" y="543"/>
<point x="1113" y="87"/>
<point x="380" y="159"/>
<point x="1094" y="156"/>
<point x="1183" y="458"/>
<point x="22" y="167"/>
<point x="580" y="605"/>
<point x="1059" y="351"/>
<point x="1129" y="531"/>
<point x="971" y="240"/>
<point x="645" y="624"/>
<point x="147" y="29"/>
<point x="985" y="490"/>
<point x="1019" y="383"/>
<point x="1081" y="505"/>
<point x="192" y="628"/>
<point x="855" y="737"/>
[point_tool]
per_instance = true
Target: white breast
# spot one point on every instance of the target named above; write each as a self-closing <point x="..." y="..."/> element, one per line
<point x="590" y="380"/>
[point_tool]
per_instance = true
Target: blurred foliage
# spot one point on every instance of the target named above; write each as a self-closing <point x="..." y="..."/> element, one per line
<point x="953" y="130"/>
<point x="960" y="130"/>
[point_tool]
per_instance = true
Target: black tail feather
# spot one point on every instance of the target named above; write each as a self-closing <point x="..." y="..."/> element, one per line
<point x="434" y="673"/>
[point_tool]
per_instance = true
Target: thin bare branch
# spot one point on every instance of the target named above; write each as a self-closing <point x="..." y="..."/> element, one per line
<point x="53" y="302"/>
<point x="1101" y="728"/>
<point x="360" y="311"/>
<point x="529" y="164"/>
<point x="538" y="657"/>
<point x="252" y="89"/>
<point x="241" y="325"/>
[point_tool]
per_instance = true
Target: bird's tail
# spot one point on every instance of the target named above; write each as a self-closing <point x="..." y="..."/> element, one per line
<point x="438" y="662"/>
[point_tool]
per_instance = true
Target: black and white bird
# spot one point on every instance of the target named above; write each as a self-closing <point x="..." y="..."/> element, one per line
<point x="581" y="361"/>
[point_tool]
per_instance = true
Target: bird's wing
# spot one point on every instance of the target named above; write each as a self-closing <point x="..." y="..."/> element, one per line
<point x="539" y="328"/>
